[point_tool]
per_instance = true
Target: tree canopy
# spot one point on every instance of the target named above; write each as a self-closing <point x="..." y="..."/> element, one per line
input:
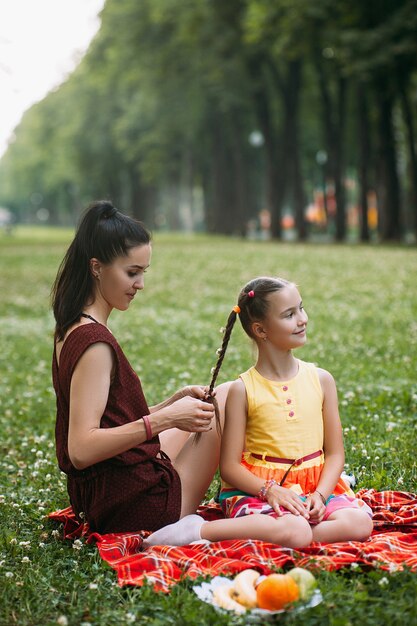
<point x="207" y="115"/>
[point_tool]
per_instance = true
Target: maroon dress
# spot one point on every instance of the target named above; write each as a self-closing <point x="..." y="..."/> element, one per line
<point x="136" y="490"/>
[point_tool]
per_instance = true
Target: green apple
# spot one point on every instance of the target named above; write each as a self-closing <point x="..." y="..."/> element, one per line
<point x="305" y="581"/>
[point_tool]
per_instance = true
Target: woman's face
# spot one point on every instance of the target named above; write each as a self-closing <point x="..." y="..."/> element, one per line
<point x="116" y="283"/>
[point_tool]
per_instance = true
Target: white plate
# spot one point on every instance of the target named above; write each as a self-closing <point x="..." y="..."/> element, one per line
<point x="205" y="593"/>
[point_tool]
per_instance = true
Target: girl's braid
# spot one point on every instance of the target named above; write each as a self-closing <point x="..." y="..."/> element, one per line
<point x="221" y="352"/>
<point x="227" y="332"/>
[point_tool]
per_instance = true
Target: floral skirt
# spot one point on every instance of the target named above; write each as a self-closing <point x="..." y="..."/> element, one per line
<point x="239" y="504"/>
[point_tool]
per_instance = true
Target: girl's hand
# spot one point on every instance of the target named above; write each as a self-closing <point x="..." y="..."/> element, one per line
<point x="315" y="507"/>
<point x="191" y="414"/>
<point x="281" y="496"/>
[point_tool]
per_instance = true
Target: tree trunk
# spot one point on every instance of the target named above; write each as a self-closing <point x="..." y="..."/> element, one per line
<point x="143" y="199"/>
<point x="339" y="166"/>
<point x="219" y="202"/>
<point x="258" y="67"/>
<point x="333" y="124"/>
<point x="364" y="159"/>
<point x="241" y="210"/>
<point x="388" y="191"/>
<point x="291" y="98"/>
<point x="411" y="140"/>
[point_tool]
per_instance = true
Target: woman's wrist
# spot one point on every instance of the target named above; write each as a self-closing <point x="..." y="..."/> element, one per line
<point x="148" y="427"/>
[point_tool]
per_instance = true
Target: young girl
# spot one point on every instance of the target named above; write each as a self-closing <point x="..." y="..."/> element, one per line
<point x="282" y="449"/>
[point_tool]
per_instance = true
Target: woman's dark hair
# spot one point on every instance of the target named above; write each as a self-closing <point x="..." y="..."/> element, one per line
<point x="103" y="233"/>
<point x="253" y="303"/>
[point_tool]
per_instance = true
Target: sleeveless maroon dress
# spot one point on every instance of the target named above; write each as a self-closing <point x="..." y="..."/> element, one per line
<point x="136" y="490"/>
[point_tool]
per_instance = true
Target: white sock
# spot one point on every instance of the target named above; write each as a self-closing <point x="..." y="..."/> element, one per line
<point x="181" y="533"/>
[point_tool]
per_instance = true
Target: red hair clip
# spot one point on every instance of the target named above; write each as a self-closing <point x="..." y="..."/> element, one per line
<point x="251" y="294"/>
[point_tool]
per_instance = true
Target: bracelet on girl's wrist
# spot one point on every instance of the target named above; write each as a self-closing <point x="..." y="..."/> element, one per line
<point x="323" y="499"/>
<point x="265" y="488"/>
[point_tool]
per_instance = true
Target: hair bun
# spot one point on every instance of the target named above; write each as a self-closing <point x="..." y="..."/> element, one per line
<point x="108" y="210"/>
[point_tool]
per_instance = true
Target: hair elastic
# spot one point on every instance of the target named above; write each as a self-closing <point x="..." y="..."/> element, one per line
<point x="251" y="294"/>
<point x="236" y="309"/>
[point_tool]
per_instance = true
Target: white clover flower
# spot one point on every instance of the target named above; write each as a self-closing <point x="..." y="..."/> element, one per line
<point x="93" y="586"/>
<point x="13" y="540"/>
<point x="130" y="618"/>
<point x="383" y="581"/>
<point x="9" y="574"/>
<point x="55" y="533"/>
<point x="26" y="559"/>
<point x="2" y="499"/>
<point x="62" y="620"/>
<point x="354" y="566"/>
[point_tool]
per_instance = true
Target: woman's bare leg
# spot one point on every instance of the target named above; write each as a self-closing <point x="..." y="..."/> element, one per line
<point x="196" y="463"/>
<point x="172" y="441"/>
<point x="344" y="525"/>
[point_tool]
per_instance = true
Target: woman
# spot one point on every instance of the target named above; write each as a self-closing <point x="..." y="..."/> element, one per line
<point x="129" y="466"/>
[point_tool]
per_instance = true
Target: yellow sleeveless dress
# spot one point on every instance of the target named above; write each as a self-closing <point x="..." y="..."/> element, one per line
<point x="284" y="441"/>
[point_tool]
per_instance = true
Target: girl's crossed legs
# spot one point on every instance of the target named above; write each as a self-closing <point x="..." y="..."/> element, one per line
<point x="347" y="524"/>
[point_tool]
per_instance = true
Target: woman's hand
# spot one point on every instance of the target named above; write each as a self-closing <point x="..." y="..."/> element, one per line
<point x="281" y="496"/>
<point x="195" y="391"/>
<point x="315" y="507"/>
<point x="191" y="413"/>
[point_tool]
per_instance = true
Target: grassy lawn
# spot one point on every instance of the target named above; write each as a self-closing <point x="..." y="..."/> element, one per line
<point x="362" y="304"/>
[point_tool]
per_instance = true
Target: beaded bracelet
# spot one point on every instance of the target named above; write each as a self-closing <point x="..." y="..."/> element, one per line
<point x="323" y="499"/>
<point x="264" y="490"/>
<point x="147" y="427"/>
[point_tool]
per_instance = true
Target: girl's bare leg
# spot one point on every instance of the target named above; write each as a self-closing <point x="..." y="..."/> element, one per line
<point x="291" y="531"/>
<point x="196" y="463"/>
<point x="344" y="525"/>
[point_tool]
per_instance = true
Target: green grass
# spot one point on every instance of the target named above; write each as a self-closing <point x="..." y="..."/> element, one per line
<point x="362" y="304"/>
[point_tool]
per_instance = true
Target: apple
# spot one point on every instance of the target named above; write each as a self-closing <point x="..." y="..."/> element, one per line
<point x="305" y="581"/>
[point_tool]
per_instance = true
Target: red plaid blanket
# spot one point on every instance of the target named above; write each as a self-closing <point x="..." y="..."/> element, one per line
<point x="392" y="546"/>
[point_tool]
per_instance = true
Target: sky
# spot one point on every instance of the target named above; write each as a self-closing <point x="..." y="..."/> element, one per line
<point x="41" y="43"/>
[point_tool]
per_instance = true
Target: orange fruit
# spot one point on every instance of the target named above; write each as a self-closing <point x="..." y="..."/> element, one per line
<point x="275" y="591"/>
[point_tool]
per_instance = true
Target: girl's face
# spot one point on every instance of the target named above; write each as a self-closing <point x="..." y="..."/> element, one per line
<point x="286" y="322"/>
<point x="116" y="283"/>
